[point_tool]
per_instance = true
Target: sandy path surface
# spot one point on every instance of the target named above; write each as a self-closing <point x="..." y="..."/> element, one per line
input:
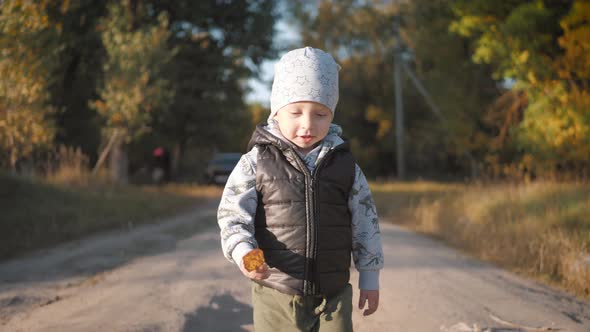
<point x="173" y="277"/>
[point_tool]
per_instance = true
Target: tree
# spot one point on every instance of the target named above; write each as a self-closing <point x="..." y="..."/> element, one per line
<point x="78" y="75"/>
<point x="29" y="47"/>
<point x="360" y="34"/>
<point x="113" y="70"/>
<point x="134" y="87"/>
<point x="221" y="44"/>
<point x="543" y="46"/>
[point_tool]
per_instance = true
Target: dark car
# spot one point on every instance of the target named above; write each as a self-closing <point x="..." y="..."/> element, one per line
<point x="221" y="166"/>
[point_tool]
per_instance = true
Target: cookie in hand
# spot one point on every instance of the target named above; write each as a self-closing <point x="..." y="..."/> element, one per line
<point x="253" y="260"/>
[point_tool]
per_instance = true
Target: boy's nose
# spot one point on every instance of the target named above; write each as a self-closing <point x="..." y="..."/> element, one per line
<point x="306" y="122"/>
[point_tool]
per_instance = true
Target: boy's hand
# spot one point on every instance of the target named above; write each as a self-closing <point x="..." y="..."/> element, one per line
<point x="261" y="273"/>
<point x="371" y="296"/>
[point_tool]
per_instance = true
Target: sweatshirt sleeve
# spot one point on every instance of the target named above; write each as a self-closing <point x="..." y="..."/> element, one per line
<point x="237" y="209"/>
<point x="367" y="252"/>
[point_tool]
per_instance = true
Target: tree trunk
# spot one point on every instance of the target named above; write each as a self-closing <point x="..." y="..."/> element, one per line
<point x="13" y="161"/>
<point x="105" y="152"/>
<point x="13" y="155"/>
<point x="119" y="162"/>
<point x="177" y="154"/>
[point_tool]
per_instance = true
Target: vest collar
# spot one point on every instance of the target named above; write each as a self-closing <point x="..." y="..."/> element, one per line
<point x="263" y="135"/>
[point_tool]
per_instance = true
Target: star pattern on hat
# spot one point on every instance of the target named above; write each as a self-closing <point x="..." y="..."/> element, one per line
<point x="305" y="74"/>
<point x="315" y="93"/>
<point x="286" y="92"/>
<point x="298" y="62"/>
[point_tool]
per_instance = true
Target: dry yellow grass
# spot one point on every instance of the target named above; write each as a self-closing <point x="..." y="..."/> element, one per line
<point x="540" y="229"/>
<point x="188" y="190"/>
<point x="41" y="213"/>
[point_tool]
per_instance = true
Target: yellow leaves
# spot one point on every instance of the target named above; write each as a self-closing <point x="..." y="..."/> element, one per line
<point x="32" y="16"/>
<point x="579" y="13"/>
<point x="575" y="63"/>
<point x="23" y="130"/>
<point x="532" y="79"/>
<point x="373" y="113"/>
<point x="257" y="113"/>
<point x="487" y="46"/>
<point x="116" y="119"/>
<point x="384" y="128"/>
<point x="383" y="120"/>
<point x="523" y="57"/>
<point x="25" y="67"/>
<point x="100" y="106"/>
<point x="563" y="99"/>
<point x="65" y="6"/>
<point x="467" y="25"/>
<point x="557" y="125"/>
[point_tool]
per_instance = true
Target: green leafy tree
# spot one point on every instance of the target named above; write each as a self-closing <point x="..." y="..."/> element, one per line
<point x="360" y="34"/>
<point x="134" y="87"/>
<point x="461" y="89"/>
<point x="543" y="46"/>
<point x="220" y="45"/>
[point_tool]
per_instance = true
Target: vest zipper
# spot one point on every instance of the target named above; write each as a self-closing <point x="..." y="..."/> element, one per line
<point x="309" y="213"/>
<point x="311" y="210"/>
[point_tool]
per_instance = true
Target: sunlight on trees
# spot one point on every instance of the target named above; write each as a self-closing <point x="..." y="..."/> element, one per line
<point x="28" y="43"/>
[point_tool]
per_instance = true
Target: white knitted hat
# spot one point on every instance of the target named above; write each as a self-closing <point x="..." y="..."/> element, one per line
<point x="305" y="74"/>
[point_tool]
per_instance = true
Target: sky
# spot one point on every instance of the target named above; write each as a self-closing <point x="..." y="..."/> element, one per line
<point x="261" y="87"/>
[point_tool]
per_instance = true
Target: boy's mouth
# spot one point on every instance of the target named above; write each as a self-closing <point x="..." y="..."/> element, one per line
<point x="306" y="138"/>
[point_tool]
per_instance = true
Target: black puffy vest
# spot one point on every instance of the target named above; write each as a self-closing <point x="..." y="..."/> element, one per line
<point x="303" y="224"/>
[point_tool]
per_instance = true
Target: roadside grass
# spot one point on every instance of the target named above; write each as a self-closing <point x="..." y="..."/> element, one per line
<point x="37" y="214"/>
<point x="540" y="229"/>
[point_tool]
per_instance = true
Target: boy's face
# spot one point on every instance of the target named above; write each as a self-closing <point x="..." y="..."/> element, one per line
<point x="304" y="123"/>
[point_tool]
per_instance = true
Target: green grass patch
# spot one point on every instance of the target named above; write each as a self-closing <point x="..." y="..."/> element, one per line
<point x="36" y="214"/>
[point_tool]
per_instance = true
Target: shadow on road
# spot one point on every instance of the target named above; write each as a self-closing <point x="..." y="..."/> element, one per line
<point x="224" y="314"/>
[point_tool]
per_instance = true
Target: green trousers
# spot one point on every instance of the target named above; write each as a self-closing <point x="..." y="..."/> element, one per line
<point x="275" y="311"/>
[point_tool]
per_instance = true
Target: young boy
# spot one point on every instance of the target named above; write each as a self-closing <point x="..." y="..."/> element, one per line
<point x="300" y="197"/>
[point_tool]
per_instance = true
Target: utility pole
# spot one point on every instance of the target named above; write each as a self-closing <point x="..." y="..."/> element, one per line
<point x="399" y="111"/>
<point x="400" y="57"/>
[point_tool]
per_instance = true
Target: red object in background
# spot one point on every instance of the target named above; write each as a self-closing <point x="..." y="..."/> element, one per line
<point x="160" y="165"/>
<point x="158" y="152"/>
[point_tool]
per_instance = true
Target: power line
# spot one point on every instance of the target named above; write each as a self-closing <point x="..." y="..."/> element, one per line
<point x="399" y="112"/>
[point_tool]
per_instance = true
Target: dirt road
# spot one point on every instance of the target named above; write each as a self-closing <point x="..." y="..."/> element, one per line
<point x="173" y="277"/>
